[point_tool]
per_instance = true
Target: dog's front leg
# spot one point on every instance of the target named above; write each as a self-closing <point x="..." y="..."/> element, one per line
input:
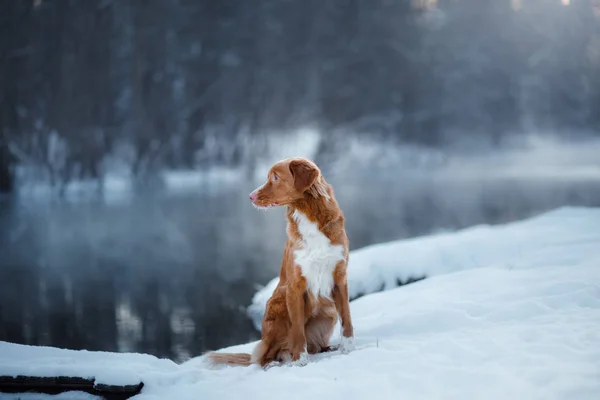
<point x="295" y="305"/>
<point x="342" y="304"/>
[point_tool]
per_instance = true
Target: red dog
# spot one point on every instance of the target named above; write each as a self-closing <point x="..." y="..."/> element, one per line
<point x="313" y="289"/>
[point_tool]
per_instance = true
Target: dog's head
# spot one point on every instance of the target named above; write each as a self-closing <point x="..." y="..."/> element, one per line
<point x="288" y="181"/>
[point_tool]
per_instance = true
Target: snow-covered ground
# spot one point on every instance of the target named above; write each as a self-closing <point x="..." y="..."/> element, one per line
<point x="107" y="368"/>
<point x="506" y="312"/>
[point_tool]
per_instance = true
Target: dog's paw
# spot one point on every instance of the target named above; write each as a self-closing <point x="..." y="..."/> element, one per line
<point x="347" y="345"/>
<point x="271" y="365"/>
<point x="301" y="361"/>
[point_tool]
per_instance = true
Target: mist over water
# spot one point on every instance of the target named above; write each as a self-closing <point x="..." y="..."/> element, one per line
<point x="170" y="272"/>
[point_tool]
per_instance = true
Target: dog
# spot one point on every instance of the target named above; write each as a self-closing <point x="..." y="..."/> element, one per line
<point x="313" y="288"/>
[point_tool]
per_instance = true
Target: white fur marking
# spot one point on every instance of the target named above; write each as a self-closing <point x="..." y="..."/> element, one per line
<point x="271" y="365"/>
<point x="300" y="362"/>
<point x="317" y="257"/>
<point x="263" y="208"/>
<point x="346" y="345"/>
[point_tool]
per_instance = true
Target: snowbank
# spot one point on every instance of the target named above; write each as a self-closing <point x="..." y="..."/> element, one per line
<point x="106" y="368"/>
<point x="527" y="326"/>
<point x="527" y="243"/>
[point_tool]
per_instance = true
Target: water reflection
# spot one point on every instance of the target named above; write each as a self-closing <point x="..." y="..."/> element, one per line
<point x="164" y="276"/>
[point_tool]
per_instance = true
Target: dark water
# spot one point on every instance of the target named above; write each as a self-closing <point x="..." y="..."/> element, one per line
<point x="171" y="275"/>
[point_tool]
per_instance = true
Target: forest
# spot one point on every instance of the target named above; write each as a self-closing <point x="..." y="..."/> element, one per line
<point x="94" y="87"/>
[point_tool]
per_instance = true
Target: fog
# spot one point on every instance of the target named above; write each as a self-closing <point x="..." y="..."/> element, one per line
<point x="131" y="136"/>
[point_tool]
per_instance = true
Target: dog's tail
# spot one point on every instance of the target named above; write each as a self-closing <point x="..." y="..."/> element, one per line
<point x="240" y="359"/>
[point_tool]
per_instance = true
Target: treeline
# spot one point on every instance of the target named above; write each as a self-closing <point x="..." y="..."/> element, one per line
<point x="88" y="86"/>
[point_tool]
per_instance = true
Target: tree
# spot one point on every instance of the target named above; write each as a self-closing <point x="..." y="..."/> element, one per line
<point x="15" y="21"/>
<point x="6" y="176"/>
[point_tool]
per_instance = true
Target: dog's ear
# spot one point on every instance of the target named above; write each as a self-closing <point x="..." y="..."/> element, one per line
<point x="305" y="174"/>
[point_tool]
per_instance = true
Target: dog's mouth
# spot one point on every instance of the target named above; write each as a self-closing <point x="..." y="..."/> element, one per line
<point x="261" y="206"/>
<point x="265" y="207"/>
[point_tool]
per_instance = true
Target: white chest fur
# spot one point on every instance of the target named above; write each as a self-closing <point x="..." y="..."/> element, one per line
<point x="317" y="257"/>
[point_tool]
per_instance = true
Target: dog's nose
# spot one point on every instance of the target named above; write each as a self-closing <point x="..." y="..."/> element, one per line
<point x="252" y="196"/>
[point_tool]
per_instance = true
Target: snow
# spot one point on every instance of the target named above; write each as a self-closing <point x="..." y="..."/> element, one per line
<point x="106" y="368"/>
<point x="530" y="243"/>
<point x="492" y="333"/>
<point x="507" y="312"/>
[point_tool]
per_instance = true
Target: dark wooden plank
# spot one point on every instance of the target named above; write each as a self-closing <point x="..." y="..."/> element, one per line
<point x="61" y="384"/>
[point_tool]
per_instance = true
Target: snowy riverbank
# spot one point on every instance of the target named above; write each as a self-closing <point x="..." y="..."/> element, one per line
<point x="509" y="311"/>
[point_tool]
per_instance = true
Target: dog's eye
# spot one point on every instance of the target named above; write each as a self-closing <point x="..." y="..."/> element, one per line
<point x="275" y="178"/>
